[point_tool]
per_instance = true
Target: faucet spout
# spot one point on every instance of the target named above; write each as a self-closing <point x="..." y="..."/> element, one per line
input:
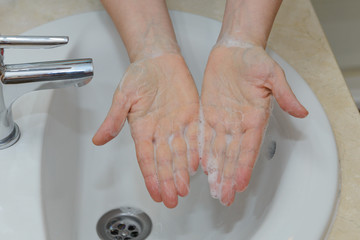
<point x="18" y="79"/>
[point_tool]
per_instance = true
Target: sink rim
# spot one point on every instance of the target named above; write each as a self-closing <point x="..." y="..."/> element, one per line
<point x="23" y="116"/>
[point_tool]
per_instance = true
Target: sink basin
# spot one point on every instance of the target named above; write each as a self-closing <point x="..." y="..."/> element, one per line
<point x="55" y="184"/>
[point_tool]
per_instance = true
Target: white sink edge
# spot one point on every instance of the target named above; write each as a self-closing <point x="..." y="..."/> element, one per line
<point x="30" y="113"/>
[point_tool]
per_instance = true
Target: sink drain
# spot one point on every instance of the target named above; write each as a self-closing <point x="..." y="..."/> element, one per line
<point x="124" y="223"/>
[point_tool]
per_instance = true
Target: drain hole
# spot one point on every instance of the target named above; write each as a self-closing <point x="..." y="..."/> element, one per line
<point x="131" y="228"/>
<point x="124" y="224"/>
<point x="121" y="226"/>
<point x="114" y="232"/>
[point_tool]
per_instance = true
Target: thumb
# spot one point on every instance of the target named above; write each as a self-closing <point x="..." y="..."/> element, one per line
<point x="285" y="96"/>
<point x="114" y="120"/>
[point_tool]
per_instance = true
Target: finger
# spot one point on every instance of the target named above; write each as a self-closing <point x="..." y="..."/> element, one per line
<point x="114" y="120"/>
<point x="215" y="163"/>
<point x="249" y="150"/>
<point x="192" y="138"/>
<point x="180" y="164"/>
<point x="228" y="174"/>
<point x="206" y="138"/>
<point x="285" y="96"/>
<point x="165" y="173"/>
<point x="145" y="156"/>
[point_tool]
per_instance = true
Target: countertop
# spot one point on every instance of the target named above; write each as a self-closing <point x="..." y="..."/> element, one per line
<point x="297" y="36"/>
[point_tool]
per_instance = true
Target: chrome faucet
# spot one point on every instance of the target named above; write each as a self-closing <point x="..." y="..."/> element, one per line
<point x="18" y="79"/>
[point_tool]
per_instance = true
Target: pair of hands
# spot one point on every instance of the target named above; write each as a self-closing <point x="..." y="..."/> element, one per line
<point x="172" y="129"/>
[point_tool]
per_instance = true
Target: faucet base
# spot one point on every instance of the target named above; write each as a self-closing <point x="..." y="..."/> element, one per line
<point x="11" y="139"/>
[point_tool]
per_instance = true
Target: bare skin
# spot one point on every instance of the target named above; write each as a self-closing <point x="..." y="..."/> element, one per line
<point x="236" y="96"/>
<point x="158" y="97"/>
<point x="239" y="81"/>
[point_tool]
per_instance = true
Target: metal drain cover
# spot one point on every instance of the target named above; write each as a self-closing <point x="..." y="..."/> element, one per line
<point x="125" y="223"/>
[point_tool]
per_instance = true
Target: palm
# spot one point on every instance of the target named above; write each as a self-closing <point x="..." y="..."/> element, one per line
<point x="161" y="103"/>
<point x="236" y="96"/>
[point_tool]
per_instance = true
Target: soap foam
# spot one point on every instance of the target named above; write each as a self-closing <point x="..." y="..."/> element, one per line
<point x="228" y="41"/>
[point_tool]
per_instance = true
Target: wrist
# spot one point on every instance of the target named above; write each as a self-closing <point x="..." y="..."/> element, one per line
<point x="152" y="44"/>
<point x="240" y="39"/>
<point x="248" y="21"/>
<point x="153" y="51"/>
<point x="232" y="40"/>
<point x="239" y="32"/>
<point x="165" y="57"/>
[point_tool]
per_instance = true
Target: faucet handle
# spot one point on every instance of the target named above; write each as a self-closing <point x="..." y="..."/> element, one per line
<point x="32" y="41"/>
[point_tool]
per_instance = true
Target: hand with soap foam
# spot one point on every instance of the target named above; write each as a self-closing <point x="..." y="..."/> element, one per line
<point x="239" y="81"/>
<point x="158" y="97"/>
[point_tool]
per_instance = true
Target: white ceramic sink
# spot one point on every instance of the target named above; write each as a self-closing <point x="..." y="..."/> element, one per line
<point x="55" y="184"/>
